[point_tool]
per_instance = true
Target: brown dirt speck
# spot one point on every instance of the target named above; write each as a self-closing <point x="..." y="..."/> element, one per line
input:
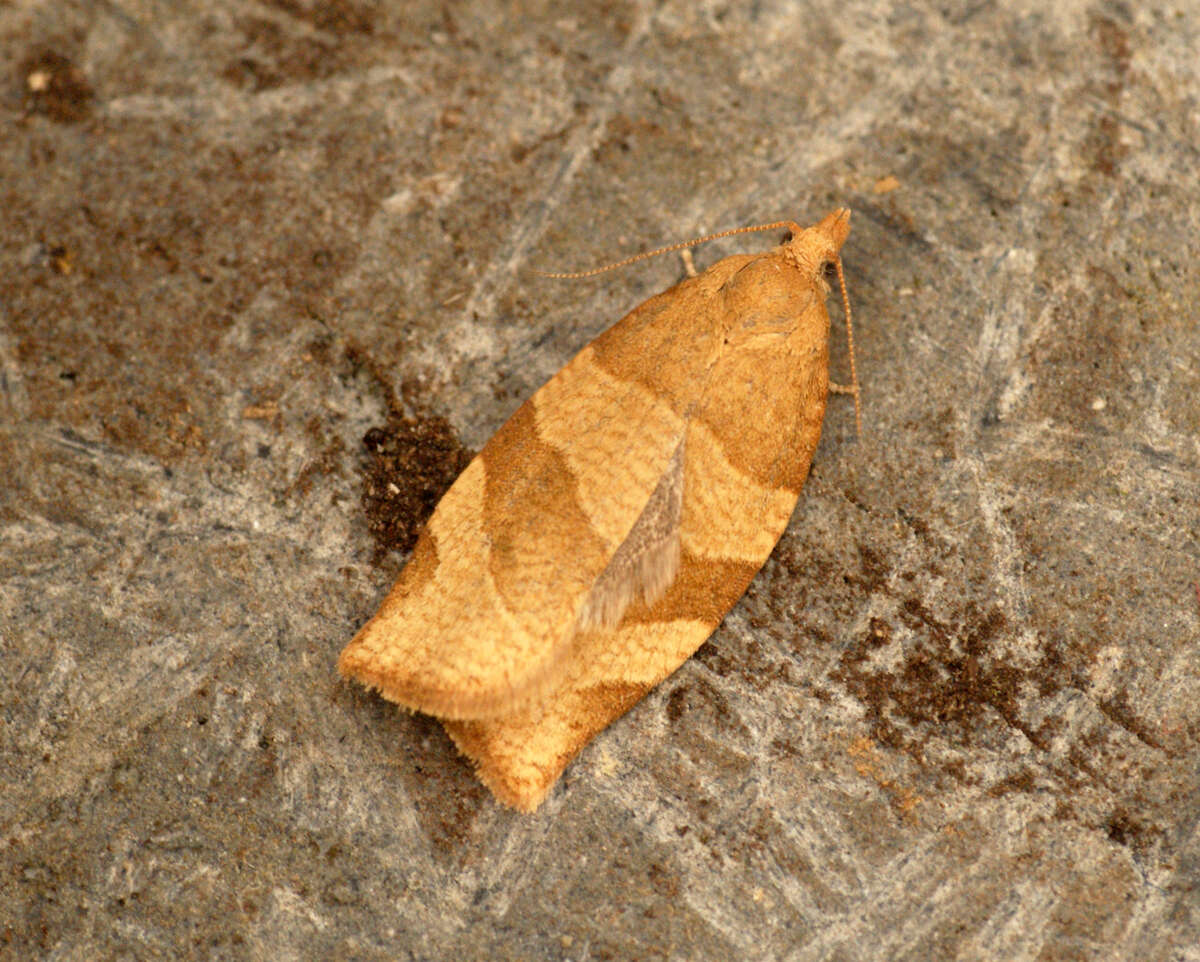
<point x="55" y="87"/>
<point x="413" y="460"/>
<point x="947" y="677"/>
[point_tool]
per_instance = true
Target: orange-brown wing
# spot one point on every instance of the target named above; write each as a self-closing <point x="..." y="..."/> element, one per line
<point x="521" y="549"/>
<point x="748" y="447"/>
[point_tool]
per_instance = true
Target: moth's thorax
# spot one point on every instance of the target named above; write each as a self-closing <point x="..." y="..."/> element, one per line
<point x="774" y="294"/>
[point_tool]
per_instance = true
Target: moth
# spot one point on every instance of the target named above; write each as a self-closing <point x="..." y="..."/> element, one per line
<point x="608" y="526"/>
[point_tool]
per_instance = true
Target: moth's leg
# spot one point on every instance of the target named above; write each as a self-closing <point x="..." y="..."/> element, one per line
<point x="852" y="390"/>
<point x="689" y="265"/>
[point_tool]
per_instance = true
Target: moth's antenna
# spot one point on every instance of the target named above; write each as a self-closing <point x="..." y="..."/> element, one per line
<point x="853" y="389"/>
<point x="572" y="275"/>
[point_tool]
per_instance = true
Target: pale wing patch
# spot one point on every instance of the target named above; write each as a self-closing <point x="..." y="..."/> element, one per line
<point x="450" y="646"/>
<point x="597" y="422"/>
<point x="730" y="514"/>
<point x="647" y="561"/>
<point x="521" y="755"/>
<point x="642" y="653"/>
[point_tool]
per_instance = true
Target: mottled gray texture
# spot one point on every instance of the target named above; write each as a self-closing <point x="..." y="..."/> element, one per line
<point x="957" y="715"/>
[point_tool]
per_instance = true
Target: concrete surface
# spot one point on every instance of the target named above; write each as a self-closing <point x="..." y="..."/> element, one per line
<point x="957" y="715"/>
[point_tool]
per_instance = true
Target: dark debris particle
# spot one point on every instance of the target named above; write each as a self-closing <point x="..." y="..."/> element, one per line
<point x="946" y="680"/>
<point x="55" y="88"/>
<point x="414" y="460"/>
<point x="1126" y="828"/>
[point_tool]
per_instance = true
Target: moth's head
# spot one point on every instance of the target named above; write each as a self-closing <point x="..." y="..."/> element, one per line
<point x="829" y="235"/>
<point x="817" y="247"/>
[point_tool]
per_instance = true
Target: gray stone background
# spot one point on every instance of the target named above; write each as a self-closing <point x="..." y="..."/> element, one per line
<point x="957" y="714"/>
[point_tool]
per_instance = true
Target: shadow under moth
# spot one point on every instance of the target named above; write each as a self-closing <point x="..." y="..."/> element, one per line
<point x="605" y="530"/>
